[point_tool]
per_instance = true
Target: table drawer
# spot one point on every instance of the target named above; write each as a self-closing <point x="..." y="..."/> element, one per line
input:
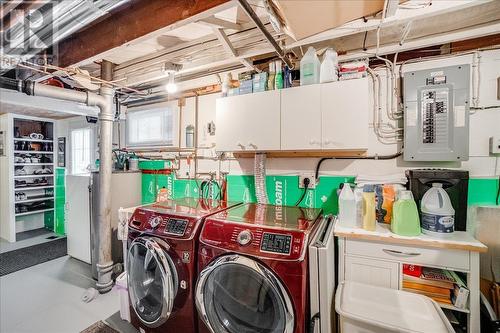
<point x="455" y="259"/>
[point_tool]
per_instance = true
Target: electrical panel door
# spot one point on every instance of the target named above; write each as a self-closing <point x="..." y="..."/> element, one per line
<point x="436" y="120"/>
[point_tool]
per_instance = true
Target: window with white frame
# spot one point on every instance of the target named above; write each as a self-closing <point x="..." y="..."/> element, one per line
<point x="81" y="150"/>
<point x="153" y="127"/>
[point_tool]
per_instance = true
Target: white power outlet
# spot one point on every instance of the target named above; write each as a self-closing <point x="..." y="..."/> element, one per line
<point x="312" y="180"/>
<point x="495" y="144"/>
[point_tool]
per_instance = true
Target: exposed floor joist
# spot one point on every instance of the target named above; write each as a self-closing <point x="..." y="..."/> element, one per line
<point x="226" y="44"/>
<point x="220" y="23"/>
<point x="134" y="20"/>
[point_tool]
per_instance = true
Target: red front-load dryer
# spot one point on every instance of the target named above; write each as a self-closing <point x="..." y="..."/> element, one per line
<point x="254" y="269"/>
<point x="161" y="263"/>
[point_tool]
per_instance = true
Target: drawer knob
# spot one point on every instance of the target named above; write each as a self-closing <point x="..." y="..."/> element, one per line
<point x="400" y="253"/>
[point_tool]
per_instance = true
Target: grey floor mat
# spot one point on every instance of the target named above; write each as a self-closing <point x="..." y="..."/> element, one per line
<point x="99" y="327"/>
<point x="32" y="233"/>
<point x="16" y="260"/>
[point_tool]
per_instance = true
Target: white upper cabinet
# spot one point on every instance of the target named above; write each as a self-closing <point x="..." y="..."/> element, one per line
<point x="249" y="122"/>
<point x="301" y="118"/>
<point x="344" y="114"/>
<point x="331" y="116"/>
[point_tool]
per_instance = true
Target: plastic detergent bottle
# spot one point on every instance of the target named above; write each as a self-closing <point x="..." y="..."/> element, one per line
<point x="278" y="78"/>
<point x="347" y="206"/>
<point x="438" y="215"/>
<point x="270" y="77"/>
<point x="329" y="67"/>
<point x="309" y="67"/>
<point x="369" y="218"/>
<point x="405" y="221"/>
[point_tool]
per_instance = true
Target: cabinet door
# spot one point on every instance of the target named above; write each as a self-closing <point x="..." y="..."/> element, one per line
<point x="301" y="118"/>
<point x="373" y="272"/>
<point x="344" y="114"/>
<point x="249" y="122"/>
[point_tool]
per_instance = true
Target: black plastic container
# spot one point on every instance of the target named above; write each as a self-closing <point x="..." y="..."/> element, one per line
<point x="455" y="183"/>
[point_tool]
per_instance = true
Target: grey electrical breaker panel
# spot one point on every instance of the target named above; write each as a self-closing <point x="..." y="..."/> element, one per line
<point x="436" y="117"/>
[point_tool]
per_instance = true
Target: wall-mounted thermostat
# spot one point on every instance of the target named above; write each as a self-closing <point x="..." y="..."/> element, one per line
<point x="436" y="120"/>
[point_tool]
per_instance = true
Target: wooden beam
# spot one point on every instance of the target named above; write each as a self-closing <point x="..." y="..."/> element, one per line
<point x="131" y="21"/>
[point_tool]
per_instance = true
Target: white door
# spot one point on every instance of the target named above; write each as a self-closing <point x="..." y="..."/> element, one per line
<point x="78" y="217"/>
<point x="248" y="122"/>
<point x="301" y="118"/>
<point x="344" y="114"/>
<point x="373" y="272"/>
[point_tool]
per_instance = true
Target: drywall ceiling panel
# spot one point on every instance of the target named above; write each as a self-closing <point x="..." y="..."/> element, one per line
<point x="305" y="18"/>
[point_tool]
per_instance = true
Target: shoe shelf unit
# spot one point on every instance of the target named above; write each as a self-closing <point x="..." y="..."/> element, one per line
<point x="27" y="174"/>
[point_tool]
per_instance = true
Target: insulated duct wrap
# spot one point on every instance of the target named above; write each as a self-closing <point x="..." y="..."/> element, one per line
<point x="260" y="178"/>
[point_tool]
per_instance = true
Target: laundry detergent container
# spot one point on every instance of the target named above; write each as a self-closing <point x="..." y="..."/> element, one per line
<point x="369" y="309"/>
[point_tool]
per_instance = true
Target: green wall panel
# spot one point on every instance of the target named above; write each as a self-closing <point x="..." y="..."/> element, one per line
<point x="59" y="226"/>
<point x="483" y="191"/>
<point x="285" y="191"/>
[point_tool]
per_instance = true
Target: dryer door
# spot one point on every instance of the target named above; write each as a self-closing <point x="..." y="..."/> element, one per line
<point x="236" y="294"/>
<point x="152" y="280"/>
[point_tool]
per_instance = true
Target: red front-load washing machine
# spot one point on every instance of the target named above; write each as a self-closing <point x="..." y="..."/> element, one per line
<point x="161" y="263"/>
<point x="253" y="267"/>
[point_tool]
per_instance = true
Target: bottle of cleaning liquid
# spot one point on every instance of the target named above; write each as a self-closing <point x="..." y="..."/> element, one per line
<point x="329" y="67"/>
<point x="270" y="77"/>
<point x="358" y="199"/>
<point x="278" y="78"/>
<point x="369" y="218"/>
<point x="405" y="221"/>
<point x="309" y="67"/>
<point x="347" y="206"/>
<point x="438" y="215"/>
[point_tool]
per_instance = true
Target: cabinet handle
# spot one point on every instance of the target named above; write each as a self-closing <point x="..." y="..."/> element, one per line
<point x="239" y="144"/>
<point x="314" y="142"/>
<point x="401" y="254"/>
<point x="327" y="142"/>
<point x="252" y="145"/>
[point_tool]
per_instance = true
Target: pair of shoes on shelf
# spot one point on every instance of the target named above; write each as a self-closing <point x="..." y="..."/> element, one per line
<point x="20" y="172"/>
<point x="20" y="196"/>
<point x="43" y="171"/>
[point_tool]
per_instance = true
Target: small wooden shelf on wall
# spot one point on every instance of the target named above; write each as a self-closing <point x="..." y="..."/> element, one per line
<point x="303" y="153"/>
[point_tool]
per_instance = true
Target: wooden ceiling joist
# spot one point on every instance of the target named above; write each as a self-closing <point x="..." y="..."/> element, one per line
<point x="133" y="20"/>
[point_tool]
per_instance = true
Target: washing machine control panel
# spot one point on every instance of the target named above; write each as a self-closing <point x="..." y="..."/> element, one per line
<point x="255" y="240"/>
<point x="176" y="226"/>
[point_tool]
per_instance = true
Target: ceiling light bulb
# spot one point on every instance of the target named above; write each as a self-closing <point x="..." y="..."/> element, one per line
<point x="171" y="86"/>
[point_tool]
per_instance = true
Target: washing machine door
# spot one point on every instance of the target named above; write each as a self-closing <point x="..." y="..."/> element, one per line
<point x="236" y="294"/>
<point x="152" y="280"/>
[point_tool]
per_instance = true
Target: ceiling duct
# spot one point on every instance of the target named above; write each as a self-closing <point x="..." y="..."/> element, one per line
<point x="49" y="24"/>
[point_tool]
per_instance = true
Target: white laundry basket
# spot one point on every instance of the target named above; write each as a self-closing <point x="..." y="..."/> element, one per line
<point x="369" y="309"/>
<point x="121" y="286"/>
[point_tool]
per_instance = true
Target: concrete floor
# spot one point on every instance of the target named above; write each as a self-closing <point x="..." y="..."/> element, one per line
<point x="6" y="246"/>
<point x="46" y="298"/>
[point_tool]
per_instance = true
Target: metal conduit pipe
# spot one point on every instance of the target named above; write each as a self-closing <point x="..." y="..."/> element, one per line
<point x="104" y="101"/>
